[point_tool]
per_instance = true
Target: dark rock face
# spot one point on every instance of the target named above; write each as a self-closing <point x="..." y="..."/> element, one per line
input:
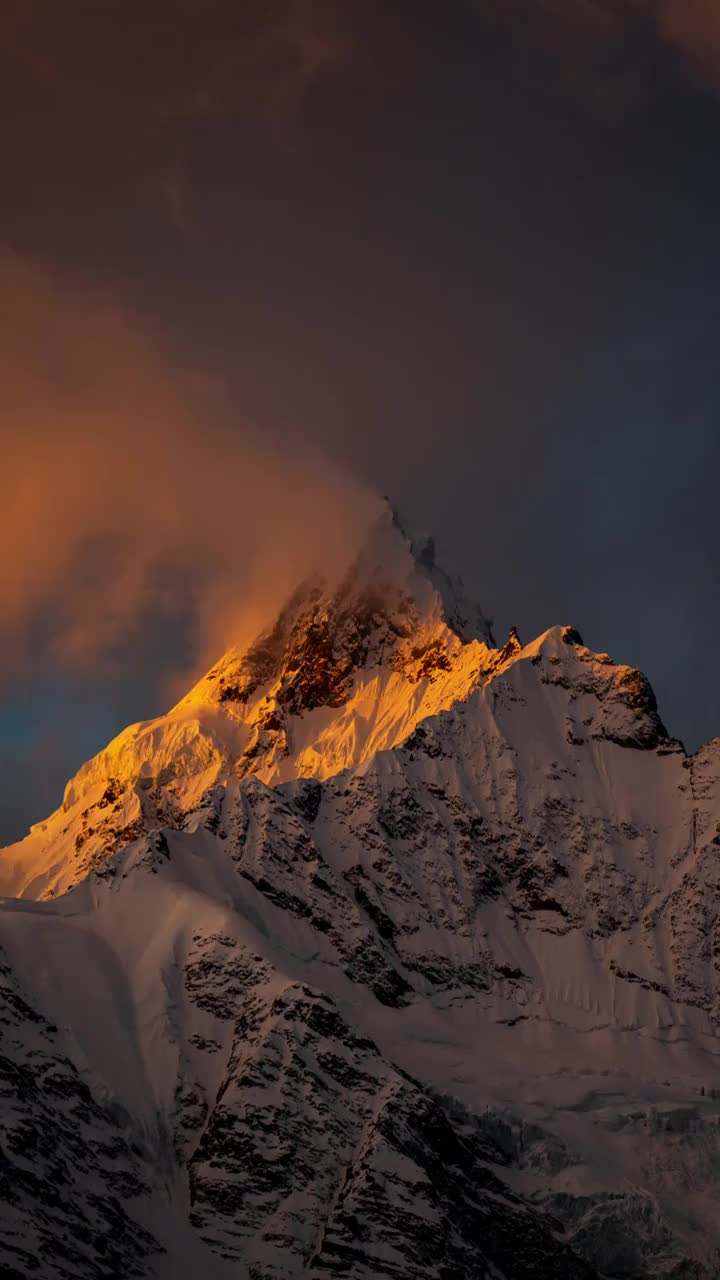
<point x="633" y="690"/>
<point x="286" y="867"/>
<point x="571" y="636"/>
<point x="318" y="643"/>
<point x="407" y="1193"/>
<point x="70" y="1168"/>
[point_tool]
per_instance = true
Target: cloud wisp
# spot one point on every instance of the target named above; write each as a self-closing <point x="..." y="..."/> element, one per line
<point x="133" y="492"/>
<point x="114" y="96"/>
<point x="611" y="53"/>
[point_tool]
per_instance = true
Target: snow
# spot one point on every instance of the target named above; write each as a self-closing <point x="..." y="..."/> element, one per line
<point x="160" y="770"/>
<point x="505" y="887"/>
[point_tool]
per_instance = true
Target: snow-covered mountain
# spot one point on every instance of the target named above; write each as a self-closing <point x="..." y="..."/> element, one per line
<point x="386" y="953"/>
<point x="346" y="670"/>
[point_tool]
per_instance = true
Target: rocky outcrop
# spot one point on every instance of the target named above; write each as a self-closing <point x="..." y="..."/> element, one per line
<point x="72" y="1169"/>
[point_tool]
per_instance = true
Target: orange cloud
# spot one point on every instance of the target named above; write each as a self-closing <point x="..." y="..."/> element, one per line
<point x="132" y="489"/>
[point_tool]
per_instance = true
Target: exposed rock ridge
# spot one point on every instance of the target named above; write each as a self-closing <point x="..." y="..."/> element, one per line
<point x="345" y="670"/>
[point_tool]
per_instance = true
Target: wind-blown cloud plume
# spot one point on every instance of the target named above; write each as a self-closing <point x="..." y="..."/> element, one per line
<point x="133" y="491"/>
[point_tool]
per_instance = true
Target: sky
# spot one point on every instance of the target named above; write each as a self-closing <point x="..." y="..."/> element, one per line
<point x="262" y="262"/>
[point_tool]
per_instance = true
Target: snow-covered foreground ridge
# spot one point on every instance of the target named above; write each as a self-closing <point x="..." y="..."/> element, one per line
<point x="388" y="953"/>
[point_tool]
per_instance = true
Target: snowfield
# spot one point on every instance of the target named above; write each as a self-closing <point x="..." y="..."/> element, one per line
<point x="386" y="953"/>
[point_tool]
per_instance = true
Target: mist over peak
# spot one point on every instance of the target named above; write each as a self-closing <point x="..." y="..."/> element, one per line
<point x="135" y="488"/>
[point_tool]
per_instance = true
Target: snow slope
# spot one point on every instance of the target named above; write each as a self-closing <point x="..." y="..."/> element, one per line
<point x="389" y="953"/>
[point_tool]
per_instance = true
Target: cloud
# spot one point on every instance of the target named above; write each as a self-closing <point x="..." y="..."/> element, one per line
<point x="171" y="188"/>
<point x="96" y="97"/>
<point x="692" y="27"/>
<point x="188" y="59"/>
<point x="615" y="53"/>
<point x="134" y="495"/>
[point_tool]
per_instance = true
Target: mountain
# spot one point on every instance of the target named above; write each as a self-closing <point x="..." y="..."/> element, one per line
<point x="388" y="952"/>
<point x="346" y="670"/>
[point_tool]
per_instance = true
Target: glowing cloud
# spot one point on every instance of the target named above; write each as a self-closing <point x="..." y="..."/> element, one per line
<point x="131" y="489"/>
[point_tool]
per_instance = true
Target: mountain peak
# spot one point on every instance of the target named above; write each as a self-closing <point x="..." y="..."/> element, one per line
<point x="393" y="594"/>
<point x="366" y="850"/>
<point x="346" y="669"/>
<point x="393" y="552"/>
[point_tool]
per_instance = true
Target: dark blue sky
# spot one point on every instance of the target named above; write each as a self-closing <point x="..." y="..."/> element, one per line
<point x="474" y="259"/>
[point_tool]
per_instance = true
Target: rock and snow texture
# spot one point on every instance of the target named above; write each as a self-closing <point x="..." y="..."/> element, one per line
<point x="390" y="953"/>
<point x="345" y="671"/>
